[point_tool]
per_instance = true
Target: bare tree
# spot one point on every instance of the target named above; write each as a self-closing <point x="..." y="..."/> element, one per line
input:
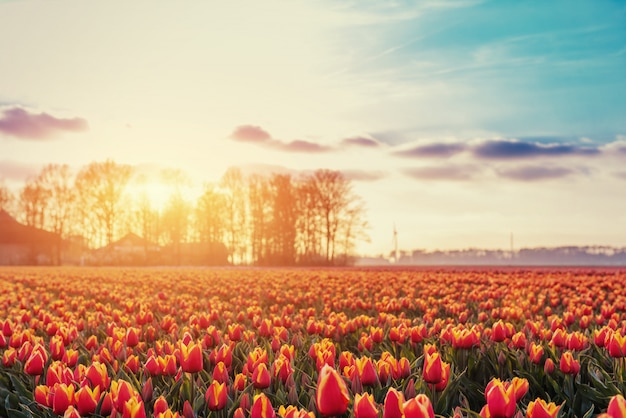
<point x="260" y="218"/>
<point x="284" y="219"/>
<point x="6" y="197"/>
<point x="210" y="215"/>
<point x="338" y="208"/>
<point x="58" y="182"/>
<point x="33" y="202"/>
<point x="176" y="223"/>
<point x="100" y="187"/>
<point x="235" y="198"/>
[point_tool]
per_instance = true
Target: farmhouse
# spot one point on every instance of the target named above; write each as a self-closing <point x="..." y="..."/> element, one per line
<point x="21" y="244"/>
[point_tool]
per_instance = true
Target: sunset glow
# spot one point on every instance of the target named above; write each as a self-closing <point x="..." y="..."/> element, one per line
<point x="459" y="122"/>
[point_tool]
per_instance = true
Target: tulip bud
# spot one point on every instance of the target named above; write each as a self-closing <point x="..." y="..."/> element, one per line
<point x="332" y="393"/>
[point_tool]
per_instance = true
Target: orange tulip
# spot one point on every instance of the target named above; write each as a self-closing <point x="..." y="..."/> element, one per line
<point x="540" y="409"/>
<point x="419" y="407"/>
<point x="617" y="407"/>
<point x="332" y="393"/>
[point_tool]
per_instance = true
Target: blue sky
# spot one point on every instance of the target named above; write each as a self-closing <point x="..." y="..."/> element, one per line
<point x="458" y="121"/>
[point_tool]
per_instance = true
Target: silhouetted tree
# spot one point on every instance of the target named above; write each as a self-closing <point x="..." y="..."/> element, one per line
<point x="57" y="180"/>
<point x="6" y="197"/>
<point x="33" y="202"/>
<point x="100" y="187"/>
<point x="211" y="223"/>
<point x="284" y="220"/>
<point x="235" y="210"/>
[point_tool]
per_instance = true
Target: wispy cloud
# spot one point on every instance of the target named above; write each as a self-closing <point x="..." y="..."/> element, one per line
<point x="20" y="123"/>
<point x="364" y="175"/>
<point x="256" y="135"/>
<point x="444" y="172"/>
<point x="360" y="141"/>
<point x="507" y="149"/>
<point x="435" y="150"/>
<point x="535" y="173"/>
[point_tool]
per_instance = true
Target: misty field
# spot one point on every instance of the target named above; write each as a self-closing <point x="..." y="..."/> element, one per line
<point x="312" y="342"/>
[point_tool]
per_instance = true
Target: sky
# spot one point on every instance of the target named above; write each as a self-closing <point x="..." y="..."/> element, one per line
<point x="458" y="122"/>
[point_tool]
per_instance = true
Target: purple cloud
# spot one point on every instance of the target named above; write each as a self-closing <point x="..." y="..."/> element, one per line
<point x="505" y="149"/>
<point x="300" y="146"/>
<point x="360" y="141"/>
<point x="436" y="150"/>
<point x="13" y="170"/>
<point x="364" y="175"/>
<point x="454" y="172"/>
<point x="19" y="123"/>
<point x="255" y="134"/>
<point x="250" y="133"/>
<point x="535" y="173"/>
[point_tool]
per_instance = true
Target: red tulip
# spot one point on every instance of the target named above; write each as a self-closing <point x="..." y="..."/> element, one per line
<point x="160" y="405"/>
<point x="520" y="387"/>
<point x="568" y="364"/>
<point x="366" y="370"/>
<point x="535" y="353"/>
<point x="216" y="396"/>
<point x="332" y="393"/>
<point x="262" y="407"/>
<point x="62" y="397"/>
<point x="220" y="372"/>
<point x="617" y="407"/>
<point x="191" y="357"/>
<point x="133" y="408"/>
<point x="500" y="399"/>
<point x="35" y="363"/>
<point x="364" y="406"/>
<point x="71" y="412"/>
<point x="87" y="399"/>
<point x="261" y="377"/>
<point x="433" y="368"/>
<point x="42" y="393"/>
<point x="616" y="344"/>
<point x="394" y="404"/>
<point x="419" y="407"/>
<point x="540" y="409"/>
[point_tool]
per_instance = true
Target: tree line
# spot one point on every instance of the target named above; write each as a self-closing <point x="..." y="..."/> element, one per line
<point x="280" y="219"/>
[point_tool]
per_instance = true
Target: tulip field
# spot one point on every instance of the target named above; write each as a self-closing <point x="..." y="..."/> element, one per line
<point x="391" y="343"/>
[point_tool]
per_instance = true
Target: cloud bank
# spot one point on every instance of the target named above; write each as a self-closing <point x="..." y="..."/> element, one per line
<point x="22" y="124"/>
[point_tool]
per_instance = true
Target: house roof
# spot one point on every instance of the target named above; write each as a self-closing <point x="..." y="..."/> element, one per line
<point x="13" y="232"/>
